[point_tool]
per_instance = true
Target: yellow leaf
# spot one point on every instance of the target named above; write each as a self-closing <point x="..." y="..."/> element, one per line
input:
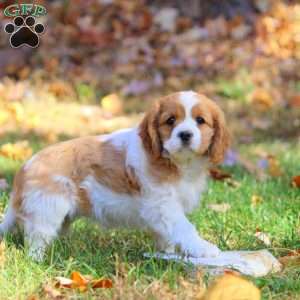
<point x="4" y="116"/>
<point x="262" y="99"/>
<point x="17" y="111"/>
<point x="18" y="151"/>
<point x="232" y="286"/>
<point x="82" y="283"/>
<point x="79" y="281"/>
<point x="112" y="104"/>
<point x="256" y="200"/>
<point x="274" y="166"/>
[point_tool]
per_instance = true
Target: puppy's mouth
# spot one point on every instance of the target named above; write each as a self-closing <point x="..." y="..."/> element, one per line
<point x="182" y="151"/>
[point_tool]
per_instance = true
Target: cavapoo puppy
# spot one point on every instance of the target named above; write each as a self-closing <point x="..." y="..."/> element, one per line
<point x="146" y="177"/>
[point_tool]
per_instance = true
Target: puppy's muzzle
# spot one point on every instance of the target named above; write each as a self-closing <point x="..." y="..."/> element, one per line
<point x="185" y="137"/>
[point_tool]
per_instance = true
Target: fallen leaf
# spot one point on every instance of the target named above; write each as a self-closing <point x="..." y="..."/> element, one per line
<point x="274" y="167"/>
<point x="263" y="237"/>
<point x="63" y="282"/>
<point x="112" y="104"/>
<point x="222" y="208"/>
<point x="18" y="151"/>
<point x="101" y="283"/>
<point x="79" y="281"/>
<point x="231" y="286"/>
<point x="218" y="174"/>
<point x="296" y="181"/>
<point x="3" y="184"/>
<point x="82" y="283"/>
<point x="295" y="101"/>
<point x="262" y="99"/>
<point x="256" y="200"/>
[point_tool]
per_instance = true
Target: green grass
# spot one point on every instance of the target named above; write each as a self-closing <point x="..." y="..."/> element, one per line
<point x="92" y="251"/>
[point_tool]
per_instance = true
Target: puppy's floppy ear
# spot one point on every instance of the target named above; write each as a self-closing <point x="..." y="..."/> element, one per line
<point x="221" y="138"/>
<point x="148" y="131"/>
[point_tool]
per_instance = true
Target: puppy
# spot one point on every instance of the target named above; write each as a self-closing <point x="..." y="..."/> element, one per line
<point x="146" y="177"/>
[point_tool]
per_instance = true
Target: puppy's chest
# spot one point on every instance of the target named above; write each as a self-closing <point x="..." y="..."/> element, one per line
<point x="189" y="191"/>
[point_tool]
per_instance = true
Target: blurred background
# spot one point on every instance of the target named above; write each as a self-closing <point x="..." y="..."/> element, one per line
<point x="100" y="63"/>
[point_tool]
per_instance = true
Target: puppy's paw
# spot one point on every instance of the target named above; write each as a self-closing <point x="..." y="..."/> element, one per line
<point x="202" y="248"/>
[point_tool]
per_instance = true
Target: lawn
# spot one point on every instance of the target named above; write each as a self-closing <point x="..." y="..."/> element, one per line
<point x="118" y="254"/>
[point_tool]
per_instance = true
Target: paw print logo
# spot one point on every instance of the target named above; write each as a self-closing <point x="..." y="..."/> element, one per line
<point x="24" y="32"/>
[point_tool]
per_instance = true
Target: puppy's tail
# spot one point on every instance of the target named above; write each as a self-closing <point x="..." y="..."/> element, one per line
<point x="9" y="221"/>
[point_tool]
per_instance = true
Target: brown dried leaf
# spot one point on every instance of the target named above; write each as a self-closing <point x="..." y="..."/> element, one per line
<point x="218" y="174"/>
<point x="274" y="167"/>
<point x="101" y="283"/>
<point x="79" y="281"/>
<point x="296" y="181"/>
<point x="82" y="283"/>
<point x="295" y="101"/>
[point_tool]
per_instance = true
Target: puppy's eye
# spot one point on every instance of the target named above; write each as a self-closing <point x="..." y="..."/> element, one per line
<point x="200" y="120"/>
<point x="170" y="121"/>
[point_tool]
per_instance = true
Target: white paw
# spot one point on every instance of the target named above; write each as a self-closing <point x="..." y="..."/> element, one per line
<point x="201" y="248"/>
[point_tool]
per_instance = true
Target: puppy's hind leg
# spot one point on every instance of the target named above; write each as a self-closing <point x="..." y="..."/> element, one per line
<point x="46" y="215"/>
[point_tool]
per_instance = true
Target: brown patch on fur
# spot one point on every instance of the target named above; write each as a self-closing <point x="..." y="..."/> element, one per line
<point x="112" y="172"/>
<point x="84" y="202"/>
<point x="75" y="160"/>
<point x="206" y="128"/>
<point x="153" y="131"/>
<point x="218" y="141"/>
<point x="18" y="187"/>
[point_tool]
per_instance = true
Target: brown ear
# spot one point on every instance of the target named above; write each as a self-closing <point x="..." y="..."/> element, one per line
<point x="221" y="138"/>
<point x="148" y="131"/>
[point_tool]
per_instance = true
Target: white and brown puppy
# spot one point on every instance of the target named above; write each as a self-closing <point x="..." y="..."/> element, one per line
<point x="147" y="177"/>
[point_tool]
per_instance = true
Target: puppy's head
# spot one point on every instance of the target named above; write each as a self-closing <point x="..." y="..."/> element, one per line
<point x="184" y="125"/>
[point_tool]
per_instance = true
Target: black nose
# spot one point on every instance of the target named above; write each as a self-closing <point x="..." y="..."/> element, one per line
<point x="185" y="136"/>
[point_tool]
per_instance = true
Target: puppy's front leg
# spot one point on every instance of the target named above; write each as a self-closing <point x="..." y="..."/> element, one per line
<point x="185" y="235"/>
<point x="167" y="219"/>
